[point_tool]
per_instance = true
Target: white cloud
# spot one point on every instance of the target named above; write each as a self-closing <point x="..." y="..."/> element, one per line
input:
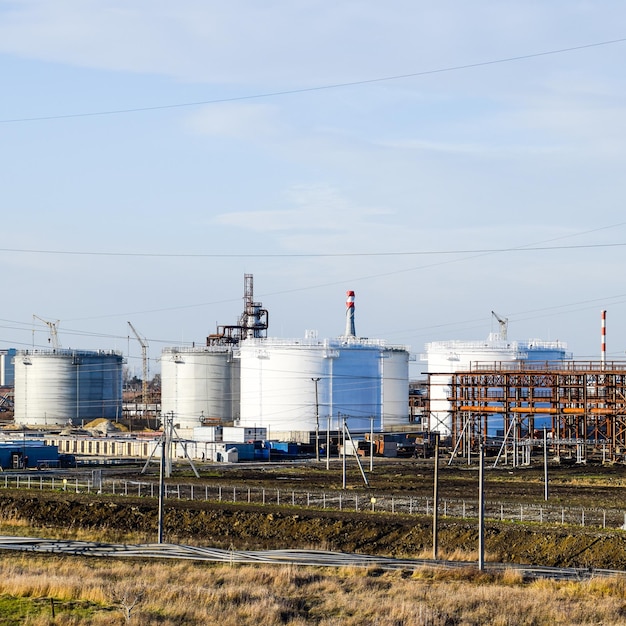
<point x="250" y="122"/>
<point x="317" y="216"/>
<point x="280" y="41"/>
<point x="494" y="156"/>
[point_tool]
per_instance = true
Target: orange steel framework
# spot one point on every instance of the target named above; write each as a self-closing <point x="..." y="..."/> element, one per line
<point x="581" y="403"/>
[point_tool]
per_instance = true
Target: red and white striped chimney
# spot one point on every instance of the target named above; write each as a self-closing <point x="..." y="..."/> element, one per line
<point x="603" y="340"/>
<point x="350" y="331"/>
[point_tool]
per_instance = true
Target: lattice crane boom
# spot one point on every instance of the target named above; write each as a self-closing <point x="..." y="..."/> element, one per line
<point x="144" y="362"/>
<point x="504" y="324"/>
<point x="53" y="326"/>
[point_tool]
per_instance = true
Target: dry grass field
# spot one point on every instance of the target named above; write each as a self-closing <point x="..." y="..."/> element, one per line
<point x="98" y="592"/>
<point x="81" y="591"/>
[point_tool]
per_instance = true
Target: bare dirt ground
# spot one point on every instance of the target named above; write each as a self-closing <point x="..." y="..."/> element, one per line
<point x="245" y="526"/>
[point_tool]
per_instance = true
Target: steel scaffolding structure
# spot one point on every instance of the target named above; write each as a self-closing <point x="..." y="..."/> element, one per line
<point x="580" y="405"/>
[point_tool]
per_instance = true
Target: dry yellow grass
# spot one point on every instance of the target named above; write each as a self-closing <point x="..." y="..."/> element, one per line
<point x="191" y="593"/>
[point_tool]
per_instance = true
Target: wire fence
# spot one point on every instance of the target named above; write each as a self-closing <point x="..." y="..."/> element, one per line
<point x="333" y="500"/>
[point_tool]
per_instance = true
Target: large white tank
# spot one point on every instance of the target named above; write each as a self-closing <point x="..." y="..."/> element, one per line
<point x="58" y="387"/>
<point x="7" y="370"/>
<point x="200" y="384"/>
<point x="395" y="375"/>
<point x="446" y="357"/>
<point x="280" y="379"/>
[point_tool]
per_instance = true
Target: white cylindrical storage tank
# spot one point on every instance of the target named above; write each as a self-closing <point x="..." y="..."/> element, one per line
<point x="395" y="375"/>
<point x="200" y="384"/>
<point x="67" y="386"/>
<point x="7" y="369"/>
<point x="278" y="384"/>
<point x="357" y="384"/>
<point x="279" y="379"/>
<point x="447" y="357"/>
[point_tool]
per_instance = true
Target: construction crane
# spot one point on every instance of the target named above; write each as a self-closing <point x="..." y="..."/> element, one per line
<point x="144" y="361"/>
<point x="54" y="338"/>
<point x="504" y="324"/>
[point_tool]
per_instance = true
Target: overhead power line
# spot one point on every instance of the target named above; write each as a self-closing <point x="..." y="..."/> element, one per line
<point x="261" y="255"/>
<point x="288" y="92"/>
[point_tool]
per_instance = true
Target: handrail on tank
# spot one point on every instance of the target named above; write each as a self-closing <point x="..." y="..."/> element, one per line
<point x="68" y="352"/>
<point x="324" y="343"/>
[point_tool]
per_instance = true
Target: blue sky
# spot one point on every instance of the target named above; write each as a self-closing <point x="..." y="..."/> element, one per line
<point x="422" y="194"/>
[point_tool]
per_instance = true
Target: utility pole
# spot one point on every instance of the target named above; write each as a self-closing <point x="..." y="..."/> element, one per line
<point x="161" y="489"/>
<point x="481" y="507"/>
<point x="343" y="441"/>
<point x="317" y="421"/>
<point x="328" y="441"/>
<point x="545" y="464"/>
<point x="371" y="444"/>
<point x="436" y="501"/>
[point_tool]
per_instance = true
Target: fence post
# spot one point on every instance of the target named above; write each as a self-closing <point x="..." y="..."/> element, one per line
<point x="263" y="495"/>
<point x="248" y="495"/>
<point x="356" y="501"/>
<point x="220" y="493"/>
<point x="323" y="499"/>
<point x="278" y="497"/>
<point x="235" y="495"/>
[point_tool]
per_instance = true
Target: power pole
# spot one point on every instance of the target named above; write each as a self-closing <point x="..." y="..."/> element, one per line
<point x="317" y="421"/>
<point x="436" y="501"/>
<point x="481" y="507"/>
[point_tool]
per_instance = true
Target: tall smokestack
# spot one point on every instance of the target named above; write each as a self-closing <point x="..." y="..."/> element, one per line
<point x="603" y="340"/>
<point x="350" y="332"/>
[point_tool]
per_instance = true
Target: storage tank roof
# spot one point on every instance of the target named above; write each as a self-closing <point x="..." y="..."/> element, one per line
<point x="495" y="344"/>
<point x="218" y="348"/>
<point x="68" y="352"/>
<point x="339" y="342"/>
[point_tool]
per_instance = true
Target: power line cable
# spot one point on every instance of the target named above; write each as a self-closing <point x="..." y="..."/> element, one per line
<point x="306" y="255"/>
<point x="288" y="92"/>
